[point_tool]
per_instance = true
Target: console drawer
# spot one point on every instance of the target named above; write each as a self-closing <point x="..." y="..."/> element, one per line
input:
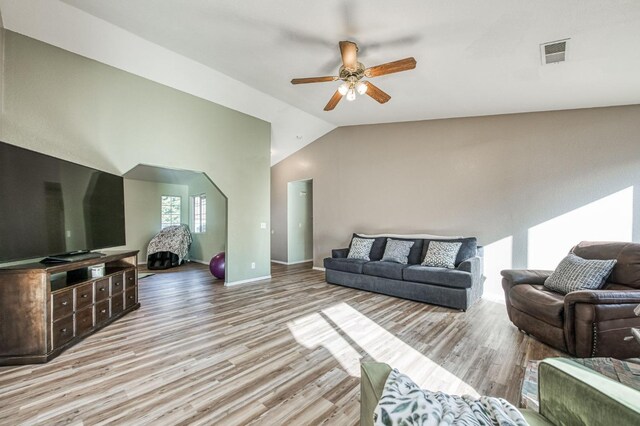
<point x="62" y="304"/>
<point x="62" y="331"/>
<point x="84" y="321"/>
<point x="84" y="296"/>
<point x="130" y="298"/>
<point x="102" y="311"/>
<point x="102" y="289"/>
<point x="117" y="304"/>
<point x="130" y="279"/>
<point x="117" y="284"/>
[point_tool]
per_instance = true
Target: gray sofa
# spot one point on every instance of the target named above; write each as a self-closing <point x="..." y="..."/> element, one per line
<point x="457" y="288"/>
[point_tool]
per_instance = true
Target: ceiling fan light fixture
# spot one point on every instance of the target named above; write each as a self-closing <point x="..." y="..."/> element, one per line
<point x="361" y="88"/>
<point x="343" y="88"/>
<point x="351" y="94"/>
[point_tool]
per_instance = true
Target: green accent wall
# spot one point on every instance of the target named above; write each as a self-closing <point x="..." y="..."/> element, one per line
<point x="71" y="107"/>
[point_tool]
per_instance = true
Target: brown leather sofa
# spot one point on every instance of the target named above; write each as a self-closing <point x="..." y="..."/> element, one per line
<point x="585" y="323"/>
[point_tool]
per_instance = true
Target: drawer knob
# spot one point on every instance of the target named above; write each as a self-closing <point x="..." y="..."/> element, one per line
<point x="102" y="289"/>
<point x="64" y="330"/>
<point x="117" y="284"/>
<point x="84" y="296"/>
<point x="65" y="303"/>
<point x="104" y="311"/>
<point x="131" y="297"/>
<point x="130" y="278"/>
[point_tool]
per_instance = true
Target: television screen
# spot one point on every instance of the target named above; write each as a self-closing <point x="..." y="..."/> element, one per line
<point x="50" y="206"/>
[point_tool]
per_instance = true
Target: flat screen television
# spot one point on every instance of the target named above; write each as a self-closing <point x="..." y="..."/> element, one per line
<point x="53" y="207"/>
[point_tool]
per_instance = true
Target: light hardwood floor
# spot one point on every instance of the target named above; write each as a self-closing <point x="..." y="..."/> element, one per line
<point x="283" y="351"/>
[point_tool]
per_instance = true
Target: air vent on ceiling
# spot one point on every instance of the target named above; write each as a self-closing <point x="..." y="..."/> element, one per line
<point x="554" y="52"/>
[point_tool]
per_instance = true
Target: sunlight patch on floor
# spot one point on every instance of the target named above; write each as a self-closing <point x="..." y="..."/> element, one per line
<point x="315" y="330"/>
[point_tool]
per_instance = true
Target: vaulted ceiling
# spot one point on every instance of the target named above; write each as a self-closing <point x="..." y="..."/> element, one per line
<point x="474" y="58"/>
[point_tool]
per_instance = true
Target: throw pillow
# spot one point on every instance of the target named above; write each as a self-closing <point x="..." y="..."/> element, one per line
<point x="575" y="273"/>
<point x="441" y="254"/>
<point x="397" y="251"/>
<point x="468" y="249"/>
<point x="360" y="248"/>
<point x="377" y="250"/>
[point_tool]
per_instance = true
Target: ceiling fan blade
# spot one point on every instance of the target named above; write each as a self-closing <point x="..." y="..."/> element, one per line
<point x="375" y="92"/>
<point x="349" y="52"/>
<point x="391" y="67"/>
<point x="313" y="80"/>
<point x="333" y="101"/>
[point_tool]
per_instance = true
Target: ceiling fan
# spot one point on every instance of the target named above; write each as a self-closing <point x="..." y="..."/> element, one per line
<point x="352" y="72"/>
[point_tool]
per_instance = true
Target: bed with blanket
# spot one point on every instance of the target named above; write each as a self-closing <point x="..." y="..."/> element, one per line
<point x="169" y="248"/>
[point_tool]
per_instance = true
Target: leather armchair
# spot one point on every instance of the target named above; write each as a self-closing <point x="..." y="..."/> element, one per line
<point x="585" y="323"/>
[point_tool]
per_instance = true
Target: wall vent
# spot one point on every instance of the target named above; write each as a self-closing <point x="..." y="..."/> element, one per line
<point x="554" y="52"/>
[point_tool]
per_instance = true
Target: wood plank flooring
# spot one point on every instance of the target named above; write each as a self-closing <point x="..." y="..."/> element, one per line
<point x="282" y="351"/>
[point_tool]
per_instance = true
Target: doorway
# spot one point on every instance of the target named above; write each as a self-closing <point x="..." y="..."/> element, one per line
<point x="156" y="197"/>
<point x="300" y="221"/>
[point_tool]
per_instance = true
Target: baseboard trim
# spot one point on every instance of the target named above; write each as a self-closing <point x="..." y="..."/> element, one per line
<point x="318" y="268"/>
<point x="232" y="283"/>
<point x="291" y="263"/>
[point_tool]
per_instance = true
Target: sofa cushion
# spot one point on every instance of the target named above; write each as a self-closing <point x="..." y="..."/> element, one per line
<point x="360" y="248"/>
<point x="575" y="273"/>
<point x="397" y="251"/>
<point x="441" y="254"/>
<point x="468" y="249"/>
<point x="539" y="302"/>
<point x="439" y="276"/>
<point x="344" y="265"/>
<point x="384" y="269"/>
<point x="377" y="250"/>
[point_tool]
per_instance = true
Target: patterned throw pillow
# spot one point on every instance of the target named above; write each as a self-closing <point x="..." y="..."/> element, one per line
<point x="441" y="254"/>
<point x="397" y="251"/>
<point x="360" y="248"/>
<point x="575" y="273"/>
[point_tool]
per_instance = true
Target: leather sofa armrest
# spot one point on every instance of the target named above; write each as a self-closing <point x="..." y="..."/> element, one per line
<point x="571" y="393"/>
<point x="598" y="297"/>
<point x="513" y="277"/>
<point x="525" y="276"/>
<point x="587" y="318"/>
<point x="340" y="253"/>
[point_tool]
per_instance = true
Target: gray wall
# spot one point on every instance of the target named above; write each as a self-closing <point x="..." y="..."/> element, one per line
<point x="142" y="202"/>
<point x="527" y="185"/>
<point x="68" y="106"/>
<point x="208" y="244"/>
<point x="300" y="222"/>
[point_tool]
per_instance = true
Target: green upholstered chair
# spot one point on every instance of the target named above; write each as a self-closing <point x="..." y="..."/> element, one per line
<point x="569" y="393"/>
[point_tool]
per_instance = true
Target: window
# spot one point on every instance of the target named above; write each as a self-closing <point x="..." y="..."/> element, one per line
<point x="170" y="210"/>
<point x="199" y="213"/>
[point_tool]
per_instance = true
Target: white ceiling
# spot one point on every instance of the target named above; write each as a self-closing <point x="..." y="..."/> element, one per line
<point x="474" y="57"/>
